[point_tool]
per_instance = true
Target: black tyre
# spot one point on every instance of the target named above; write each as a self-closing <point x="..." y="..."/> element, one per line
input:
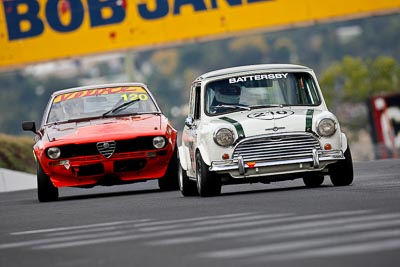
<point x="341" y="172"/>
<point x="169" y="181"/>
<point x="208" y="183"/>
<point x="45" y="188"/>
<point x="187" y="186"/>
<point x="313" y="181"/>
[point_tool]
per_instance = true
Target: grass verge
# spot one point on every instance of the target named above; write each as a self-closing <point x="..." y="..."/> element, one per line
<point x="16" y="153"/>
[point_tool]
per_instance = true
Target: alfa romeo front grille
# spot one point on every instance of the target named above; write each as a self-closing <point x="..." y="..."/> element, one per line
<point x="276" y="147"/>
<point x="106" y="148"/>
<point x="120" y="146"/>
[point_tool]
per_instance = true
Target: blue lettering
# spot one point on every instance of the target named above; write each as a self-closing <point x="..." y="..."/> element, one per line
<point x="77" y="14"/>
<point x="17" y="20"/>
<point x="198" y="5"/>
<point x="230" y="2"/>
<point x="14" y="19"/>
<point x="161" y="10"/>
<point x="95" y="7"/>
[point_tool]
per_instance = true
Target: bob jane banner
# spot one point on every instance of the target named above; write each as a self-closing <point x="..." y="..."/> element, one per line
<point x="33" y="31"/>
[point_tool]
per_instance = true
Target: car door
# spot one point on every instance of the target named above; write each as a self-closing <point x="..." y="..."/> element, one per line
<point x="191" y="125"/>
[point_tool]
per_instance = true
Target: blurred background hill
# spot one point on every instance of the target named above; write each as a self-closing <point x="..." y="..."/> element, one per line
<point x="354" y="60"/>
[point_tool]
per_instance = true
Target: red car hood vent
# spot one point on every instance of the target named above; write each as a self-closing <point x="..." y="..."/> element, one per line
<point x="106" y="149"/>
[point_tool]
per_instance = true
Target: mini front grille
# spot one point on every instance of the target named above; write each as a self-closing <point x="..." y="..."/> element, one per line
<point x="276" y="147"/>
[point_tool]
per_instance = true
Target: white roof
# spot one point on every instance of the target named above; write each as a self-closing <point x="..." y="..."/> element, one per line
<point x="252" y="68"/>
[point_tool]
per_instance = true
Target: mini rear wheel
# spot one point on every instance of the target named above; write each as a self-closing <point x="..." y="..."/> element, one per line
<point x="187" y="186"/>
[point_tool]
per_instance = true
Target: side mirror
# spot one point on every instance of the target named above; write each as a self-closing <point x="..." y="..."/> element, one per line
<point x="29" y="126"/>
<point x="189" y="122"/>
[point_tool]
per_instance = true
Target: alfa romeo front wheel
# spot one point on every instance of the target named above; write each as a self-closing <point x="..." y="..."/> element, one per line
<point x="45" y="188"/>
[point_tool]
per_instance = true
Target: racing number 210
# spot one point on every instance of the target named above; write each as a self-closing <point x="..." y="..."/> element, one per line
<point x="132" y="97"/>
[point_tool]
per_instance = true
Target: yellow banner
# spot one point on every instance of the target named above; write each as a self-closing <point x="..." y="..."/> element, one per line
<point x="34" y="31"/>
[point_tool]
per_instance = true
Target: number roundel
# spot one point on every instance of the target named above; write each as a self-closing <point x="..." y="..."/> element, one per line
<point x="134" y="96"/>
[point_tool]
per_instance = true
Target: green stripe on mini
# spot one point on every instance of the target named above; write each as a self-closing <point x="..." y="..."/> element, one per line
<point x="309" y="117"/>
<point x="237" y="125"/>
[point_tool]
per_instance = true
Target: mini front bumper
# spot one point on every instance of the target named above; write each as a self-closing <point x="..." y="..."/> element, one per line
<point x="240" y="168"/>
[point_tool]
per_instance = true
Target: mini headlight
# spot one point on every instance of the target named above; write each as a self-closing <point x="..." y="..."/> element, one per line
<point x="54" y="152"/>
<point x="223" y="137"/>
<point x="159" y="142"/>
<point x="326" y="127"/>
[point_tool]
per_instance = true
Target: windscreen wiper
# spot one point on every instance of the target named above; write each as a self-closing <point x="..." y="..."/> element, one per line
<point x="267" y="106"/>
<point x="233" y="106"/>
<point x="120" y="107"/>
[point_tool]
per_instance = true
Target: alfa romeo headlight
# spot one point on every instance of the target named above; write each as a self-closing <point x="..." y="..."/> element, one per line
<point x="224" y="137"/>
<point x="54" y="152"/>
<point x="326" y="127"/>
<point x="159" y="142"/>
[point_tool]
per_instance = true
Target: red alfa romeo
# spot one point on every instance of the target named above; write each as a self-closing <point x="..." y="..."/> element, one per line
<point x="103" y="135"/>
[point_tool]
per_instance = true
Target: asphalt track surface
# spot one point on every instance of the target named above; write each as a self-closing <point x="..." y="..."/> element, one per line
<point x="280" y="224"/>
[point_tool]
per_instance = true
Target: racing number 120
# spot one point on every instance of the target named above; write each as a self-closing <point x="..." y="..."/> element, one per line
<point x="132" y="97"/>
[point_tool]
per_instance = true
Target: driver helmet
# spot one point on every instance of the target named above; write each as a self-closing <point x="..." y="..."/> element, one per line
<point x="228" y="94"/>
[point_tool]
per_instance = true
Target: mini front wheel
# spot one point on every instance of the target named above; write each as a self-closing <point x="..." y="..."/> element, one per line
<point x="341" y="172"/>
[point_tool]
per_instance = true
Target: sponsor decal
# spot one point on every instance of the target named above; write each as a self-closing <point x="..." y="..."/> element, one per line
<point x="270" y="115"/>
<point x="130" y="93"/>
<point x="258" y="77"/>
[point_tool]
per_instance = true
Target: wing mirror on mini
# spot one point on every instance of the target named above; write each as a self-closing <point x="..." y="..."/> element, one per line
<point x="29" y="126"/>
<point x="189" y="122"/>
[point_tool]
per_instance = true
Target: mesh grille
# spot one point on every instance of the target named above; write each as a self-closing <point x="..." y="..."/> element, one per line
<point x="277" y="147"/>
<point x="120" y="146"/>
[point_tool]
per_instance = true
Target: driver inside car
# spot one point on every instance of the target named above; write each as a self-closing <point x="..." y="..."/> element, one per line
<point x="226" y="96"/>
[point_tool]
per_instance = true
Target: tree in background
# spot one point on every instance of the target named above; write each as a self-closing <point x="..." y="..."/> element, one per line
<point x="347" y="85"/>
<point x="354" y="79"/>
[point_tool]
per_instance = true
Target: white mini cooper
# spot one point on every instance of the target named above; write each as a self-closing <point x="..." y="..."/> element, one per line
<point x="260" y="123"/>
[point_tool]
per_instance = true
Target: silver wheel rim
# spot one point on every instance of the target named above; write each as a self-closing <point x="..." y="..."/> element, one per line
<point x="180" y="179"/>
<point x="198" y="176"/>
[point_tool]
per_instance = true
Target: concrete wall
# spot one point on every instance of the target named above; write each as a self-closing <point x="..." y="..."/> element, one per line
<point x="14" y="180"/>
